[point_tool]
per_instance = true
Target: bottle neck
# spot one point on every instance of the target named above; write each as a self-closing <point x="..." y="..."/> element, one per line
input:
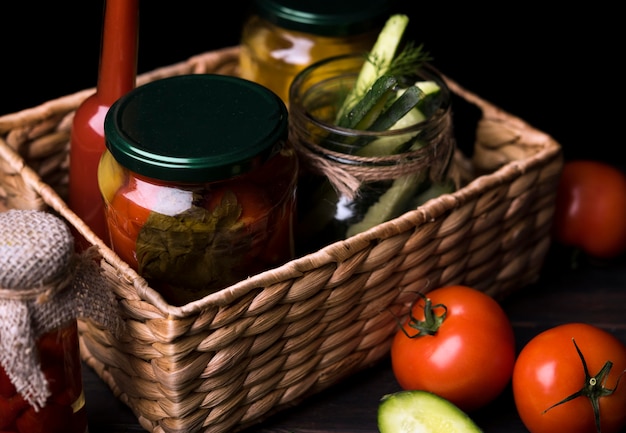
<point x="118" y="57"/>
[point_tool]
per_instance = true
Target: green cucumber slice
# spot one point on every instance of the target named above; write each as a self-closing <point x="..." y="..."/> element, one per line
<point x="366" y="111"/>
<point x="398" y="109"/>
<point x="379" y="58"/>
<point x="390" y="145"/>
<point x="429" y="87"/>
<point x="432" y="97"/>
<point x="422" y="412"/>
<point x="390" y="204"/>
<point x="425" y="96"/>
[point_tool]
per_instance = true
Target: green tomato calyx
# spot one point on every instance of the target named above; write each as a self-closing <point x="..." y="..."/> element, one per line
<point x="431" y="323"/>
<point x="594" y="387"/>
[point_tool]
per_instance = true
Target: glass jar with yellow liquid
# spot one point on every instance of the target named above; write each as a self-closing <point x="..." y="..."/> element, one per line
<point x="282" y="37"/>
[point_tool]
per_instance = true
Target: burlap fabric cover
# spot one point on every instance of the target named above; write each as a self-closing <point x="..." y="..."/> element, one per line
<point x="43" y="285"/>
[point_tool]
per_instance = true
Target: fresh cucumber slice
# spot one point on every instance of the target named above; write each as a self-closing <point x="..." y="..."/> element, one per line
<point x="422" y="412"/>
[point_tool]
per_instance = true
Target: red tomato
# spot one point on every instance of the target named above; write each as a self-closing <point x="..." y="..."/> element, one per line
<point x="464" y="352"/>
<point x="591" y="208"/>
<point x="549" y="369"/>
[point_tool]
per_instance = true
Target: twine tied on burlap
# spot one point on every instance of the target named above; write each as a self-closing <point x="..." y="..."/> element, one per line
<point x="44" y="284"/>
<point x="347" y="173"/>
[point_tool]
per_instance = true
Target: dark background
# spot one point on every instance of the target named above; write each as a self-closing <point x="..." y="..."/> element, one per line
<point x="559" y="69"/>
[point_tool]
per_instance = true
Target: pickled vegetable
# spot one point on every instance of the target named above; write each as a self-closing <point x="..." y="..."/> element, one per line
<point x="64" y="411"/>
<point x="188" y="243"/>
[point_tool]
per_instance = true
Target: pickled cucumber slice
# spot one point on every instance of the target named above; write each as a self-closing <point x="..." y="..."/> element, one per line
<point x="384" y="146"/>
<point x="429" y="87"/>
<point x="382" y="54"/>
<point x="398" y="109"/>
<point x="425" y="98"/>
<point x="422" y="412"/>
<point x="367" y="110"/>
<point x="432" y="96"/>
<point x="389" y="205"/>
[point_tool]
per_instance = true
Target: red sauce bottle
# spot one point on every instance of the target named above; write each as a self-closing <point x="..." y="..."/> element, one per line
<point x="116" y="76"/>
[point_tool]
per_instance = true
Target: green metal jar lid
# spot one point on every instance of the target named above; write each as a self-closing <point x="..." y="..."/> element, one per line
<point x="325" y="17"/>
<point x="195" y="128"/>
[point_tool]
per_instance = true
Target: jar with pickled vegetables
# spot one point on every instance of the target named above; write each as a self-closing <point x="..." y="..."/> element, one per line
<point x="199" y="183"/>
<point x="41" y="387"/>
<point x="282" y="37"/>
<point x="355" y="178"/>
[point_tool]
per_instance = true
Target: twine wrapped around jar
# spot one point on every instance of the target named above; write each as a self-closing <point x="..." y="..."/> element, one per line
<point x="43" y="285"/>
<point x="347" y="172"/>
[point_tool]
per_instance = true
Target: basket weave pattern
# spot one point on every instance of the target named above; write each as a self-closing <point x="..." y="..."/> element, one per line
<point x="235" y="357"/>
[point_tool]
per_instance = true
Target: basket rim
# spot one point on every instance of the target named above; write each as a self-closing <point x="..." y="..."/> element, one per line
<point x="332" y="253"/>
<point x="549" y="149"/>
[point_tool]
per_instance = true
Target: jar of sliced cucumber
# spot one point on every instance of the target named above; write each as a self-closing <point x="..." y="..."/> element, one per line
<point x="374" y="136"/>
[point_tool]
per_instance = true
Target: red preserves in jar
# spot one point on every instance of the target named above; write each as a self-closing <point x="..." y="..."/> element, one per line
<point x="199" y="183"/>
<point x="64" y="410"/>
<point x="41" y="386"/>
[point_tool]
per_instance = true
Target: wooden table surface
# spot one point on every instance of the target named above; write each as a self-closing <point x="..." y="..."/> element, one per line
<point x="593" y="293"/>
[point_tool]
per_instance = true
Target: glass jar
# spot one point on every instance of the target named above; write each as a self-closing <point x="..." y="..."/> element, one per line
<point x="199" y="183"/>
<point x="41" y="386"/>
<point x="354" y="179"/>
<point x="64" y="410"/>
<point x="282" y="37"/>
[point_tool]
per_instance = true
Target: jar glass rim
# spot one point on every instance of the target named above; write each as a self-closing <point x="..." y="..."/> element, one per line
<point x="342" y="70"/>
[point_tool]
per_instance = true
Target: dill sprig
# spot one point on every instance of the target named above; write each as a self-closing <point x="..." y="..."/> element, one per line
<point x="387" y="59"/>
<point x="405" y="65"/>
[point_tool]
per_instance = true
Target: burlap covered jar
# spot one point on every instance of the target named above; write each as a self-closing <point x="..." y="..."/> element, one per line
<point x="44" y="287"/>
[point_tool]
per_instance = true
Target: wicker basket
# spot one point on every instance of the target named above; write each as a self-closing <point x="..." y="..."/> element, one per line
<point x="231" y="359"/>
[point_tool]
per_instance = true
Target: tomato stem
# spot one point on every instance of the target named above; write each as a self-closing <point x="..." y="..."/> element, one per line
<point x="431" y="323"/>
<point x="594" y="387"/>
